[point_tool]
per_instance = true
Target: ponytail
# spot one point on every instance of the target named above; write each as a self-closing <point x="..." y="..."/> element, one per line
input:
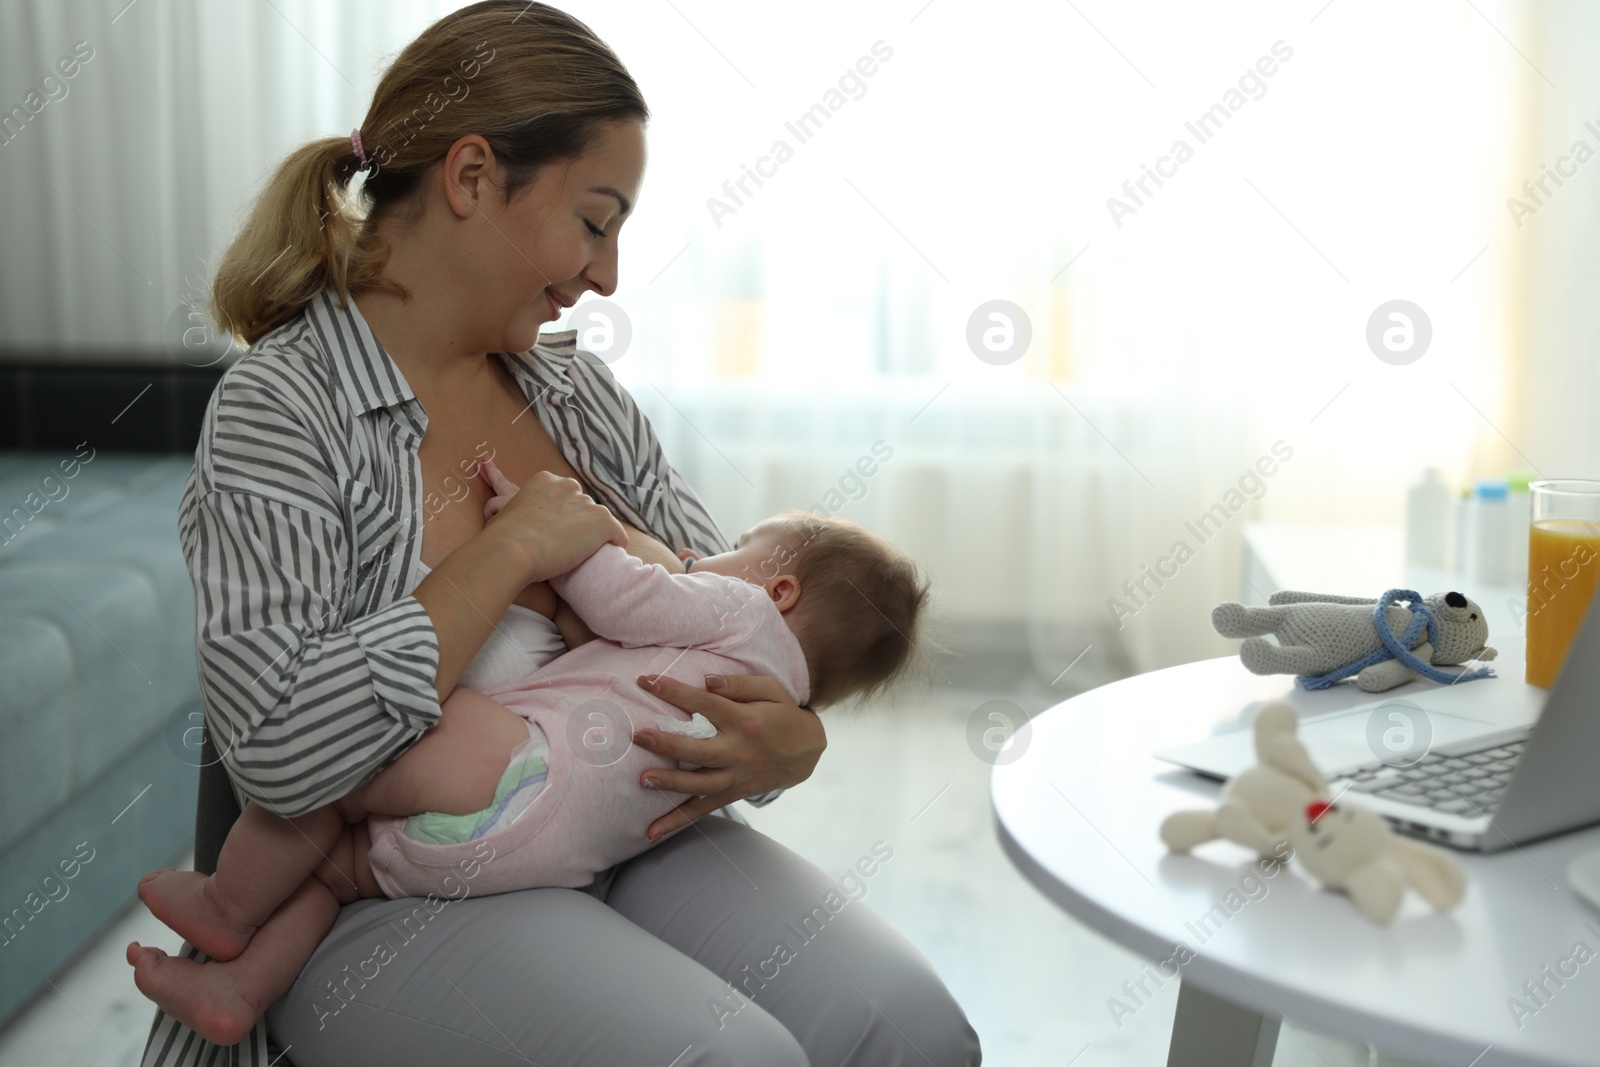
<point x="298" y="241"/>
<point x="537" y="84"/>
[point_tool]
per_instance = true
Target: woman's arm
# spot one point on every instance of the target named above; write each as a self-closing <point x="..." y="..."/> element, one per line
<point x="301" y="705"/>
<point x="305" y="707"/>
<point x="547" y="528"/>
<point x="465" y="596"/>
<point x="303" y="702"/>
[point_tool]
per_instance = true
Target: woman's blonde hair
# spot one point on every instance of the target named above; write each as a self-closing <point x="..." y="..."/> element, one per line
<point x="533" y="81"/>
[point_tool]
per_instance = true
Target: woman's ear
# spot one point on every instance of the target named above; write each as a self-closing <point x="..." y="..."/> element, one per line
<point x="467" y="168"/>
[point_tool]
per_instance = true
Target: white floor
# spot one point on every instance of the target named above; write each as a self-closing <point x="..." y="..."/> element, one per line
<point x="1033" y="982"/>
<point x="94" y="1017"/>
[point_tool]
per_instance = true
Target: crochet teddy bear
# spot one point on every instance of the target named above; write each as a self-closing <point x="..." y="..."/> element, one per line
<point x="1325" y="639"/>
<point x="1280" y="805"/>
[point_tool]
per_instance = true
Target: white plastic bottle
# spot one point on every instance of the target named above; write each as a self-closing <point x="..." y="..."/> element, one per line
<point x="1429" y="531"/>
<point x="1487" y="531"/>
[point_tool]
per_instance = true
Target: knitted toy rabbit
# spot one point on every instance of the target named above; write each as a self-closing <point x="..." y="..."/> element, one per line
<point x="1259" y="805"/>
<point x="1279" y="805"/>
<point x="1325" y="639"/>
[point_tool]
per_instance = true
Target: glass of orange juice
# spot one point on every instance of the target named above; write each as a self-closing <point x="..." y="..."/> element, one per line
<point x="1563" y="565"/>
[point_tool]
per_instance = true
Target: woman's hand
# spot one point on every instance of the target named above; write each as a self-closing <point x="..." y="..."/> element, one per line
<point x="550" y="521"/>
<point x="764" y="741"/>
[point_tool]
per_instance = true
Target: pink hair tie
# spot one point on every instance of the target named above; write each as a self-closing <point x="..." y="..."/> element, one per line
<point x="355" y="143"/>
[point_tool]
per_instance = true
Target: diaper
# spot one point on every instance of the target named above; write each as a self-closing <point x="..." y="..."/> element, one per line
<point x="525" y="778"/>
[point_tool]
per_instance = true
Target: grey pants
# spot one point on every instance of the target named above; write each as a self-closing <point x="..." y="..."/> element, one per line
<point x="711" y="948"/>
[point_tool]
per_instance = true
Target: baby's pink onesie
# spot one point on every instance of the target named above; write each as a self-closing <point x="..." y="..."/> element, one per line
<point x="593" y="812"/>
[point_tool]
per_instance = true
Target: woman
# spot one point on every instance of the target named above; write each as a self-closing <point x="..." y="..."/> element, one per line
<point x="394" y="340"/>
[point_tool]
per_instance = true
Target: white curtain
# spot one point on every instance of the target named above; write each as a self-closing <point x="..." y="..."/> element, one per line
<point x="1339" y="156"/>
<point x="1554" y="379"/>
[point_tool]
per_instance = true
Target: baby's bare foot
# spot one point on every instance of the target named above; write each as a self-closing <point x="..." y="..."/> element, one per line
<point x="179" y="899"/>
<point x="192" y="993"/>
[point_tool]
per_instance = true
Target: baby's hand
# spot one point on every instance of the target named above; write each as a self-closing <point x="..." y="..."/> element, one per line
<point x="504" y="488"/>
<point x="538" y="597"/>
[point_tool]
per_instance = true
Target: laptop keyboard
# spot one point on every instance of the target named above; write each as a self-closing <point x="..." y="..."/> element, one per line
<point x="1468" y="784"/>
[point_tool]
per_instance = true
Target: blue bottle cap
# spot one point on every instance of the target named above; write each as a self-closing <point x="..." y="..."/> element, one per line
<point x="1491" y="489"/>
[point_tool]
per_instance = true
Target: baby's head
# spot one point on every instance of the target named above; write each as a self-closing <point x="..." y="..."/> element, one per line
<point x="853" y="602"/>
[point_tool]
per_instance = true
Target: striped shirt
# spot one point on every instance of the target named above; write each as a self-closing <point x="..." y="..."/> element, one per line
<point x="302" y="527"/>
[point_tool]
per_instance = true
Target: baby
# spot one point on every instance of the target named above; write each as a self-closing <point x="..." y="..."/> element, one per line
<point x="546" y="793"/>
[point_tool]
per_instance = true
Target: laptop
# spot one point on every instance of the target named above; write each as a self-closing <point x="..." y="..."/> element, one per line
<point x="1504" y="762"/>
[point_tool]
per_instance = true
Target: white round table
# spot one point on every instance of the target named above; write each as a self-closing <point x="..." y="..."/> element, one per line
<point x="1078" y="810"/>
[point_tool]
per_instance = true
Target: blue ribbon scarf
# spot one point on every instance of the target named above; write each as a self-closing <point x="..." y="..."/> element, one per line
<point x="1398" y="647"/>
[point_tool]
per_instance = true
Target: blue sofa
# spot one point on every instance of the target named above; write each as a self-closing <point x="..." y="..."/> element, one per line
<point x="99" y="698"/>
